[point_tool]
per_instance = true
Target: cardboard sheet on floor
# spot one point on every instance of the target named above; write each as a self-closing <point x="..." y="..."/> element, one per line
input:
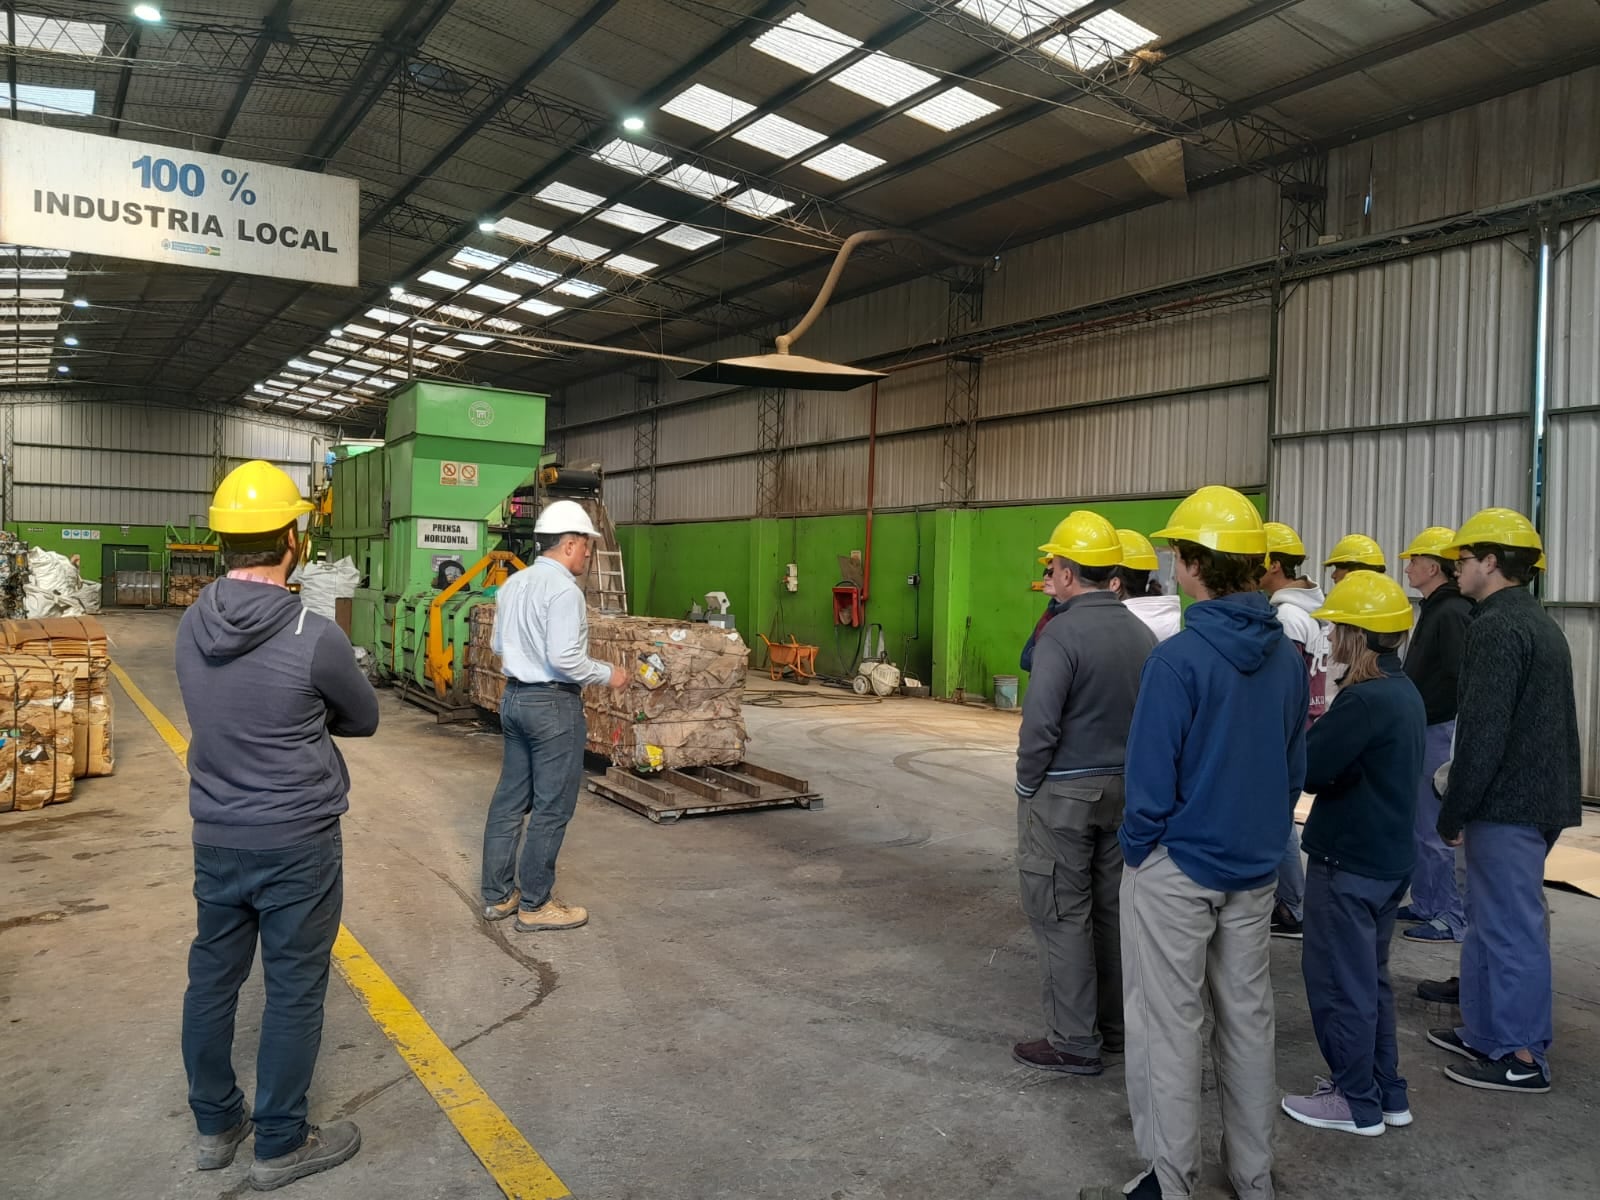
<point x="1576" y="867"/>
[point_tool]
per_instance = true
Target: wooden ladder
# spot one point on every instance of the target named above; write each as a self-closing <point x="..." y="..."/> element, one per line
<point x="612" y="588"/>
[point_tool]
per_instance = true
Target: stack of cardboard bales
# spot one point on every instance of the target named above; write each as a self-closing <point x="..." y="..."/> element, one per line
<point x="78" y="644"/>
<point x="694" y="719"/>
<point x="36" y="731"/>
<point x="184" y="590"/>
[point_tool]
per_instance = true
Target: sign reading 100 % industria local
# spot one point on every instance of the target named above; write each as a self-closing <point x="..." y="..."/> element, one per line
<point x="62" y="189"/>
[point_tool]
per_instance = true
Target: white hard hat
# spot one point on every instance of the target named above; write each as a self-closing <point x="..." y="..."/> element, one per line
<point x="565" y="516"/>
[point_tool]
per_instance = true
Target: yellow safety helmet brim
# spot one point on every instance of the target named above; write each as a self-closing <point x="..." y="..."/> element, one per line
<point x="256" y="497"/>
<point x="1137" y="552"/>
<point x="1355" y="548"/>
<point x="1085" y="538"/>
<point x="1498" y="527"/>
<point x="1367" y="601"/>
<point x="1433" y="542"/>
<point x="1282" y="539"/>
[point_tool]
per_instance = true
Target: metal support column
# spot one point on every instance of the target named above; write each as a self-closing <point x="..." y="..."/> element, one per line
<point x="219" y="451"/>
<point x="964" y="313"/>
<point x="771" y="406"/>
<point x="646" y="426"/>
<point x="1303" y="205"/>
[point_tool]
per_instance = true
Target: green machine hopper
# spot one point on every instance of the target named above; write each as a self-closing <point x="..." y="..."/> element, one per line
<point x="414" y="516"/>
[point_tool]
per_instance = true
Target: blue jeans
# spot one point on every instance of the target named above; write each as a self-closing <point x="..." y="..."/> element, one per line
<point x="541" y="771"/>
<point x="1507" y="987"/>
<point x="290" y="899"/>
<point x="1292" y="876"/>
<point x="1349" y="922"/>
<point x="1434" y="893"/>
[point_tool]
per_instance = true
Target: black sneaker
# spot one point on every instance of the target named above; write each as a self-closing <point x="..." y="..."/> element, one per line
<point x="1285" y="926"/>
<point x="1508" y="1074"/>
<point x="1448" y="1039"/>
<point x="1441" y="991"/>
<point x="323" y="1148"/>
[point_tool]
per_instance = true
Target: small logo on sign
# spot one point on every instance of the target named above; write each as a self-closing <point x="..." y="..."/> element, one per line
<point x="481" y="413"/>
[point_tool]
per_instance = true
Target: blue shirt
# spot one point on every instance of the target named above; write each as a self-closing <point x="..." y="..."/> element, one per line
<point x="541" y="628"/>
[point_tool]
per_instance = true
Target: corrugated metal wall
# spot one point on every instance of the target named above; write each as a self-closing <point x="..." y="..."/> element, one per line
<point x="1572" y="460"/>
<point x="77" y="459"/>
<point x="1403" y="395"/>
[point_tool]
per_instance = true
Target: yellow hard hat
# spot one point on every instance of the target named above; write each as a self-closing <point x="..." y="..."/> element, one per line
<point x="1137" y="552"/>
<point x="1497" y="527"/>
<point x="1086" y="538"/>
<point x="1281" y="539"/>
<point x="1432" y="542"/>
<point x="1220" y="519"/>
<point x="1355" y="548"/>
<point x="256" y="497"/>
<point x="1368" y="601"/>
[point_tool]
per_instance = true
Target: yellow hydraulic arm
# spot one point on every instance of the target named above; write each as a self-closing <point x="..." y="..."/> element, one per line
<point x="496" y="567"/>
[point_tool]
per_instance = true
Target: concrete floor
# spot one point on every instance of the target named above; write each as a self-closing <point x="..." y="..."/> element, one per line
<point x="789" y="1005"/>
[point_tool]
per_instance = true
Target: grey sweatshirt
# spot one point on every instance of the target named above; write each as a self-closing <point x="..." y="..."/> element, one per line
<point x="267" y="685"/>
<point x="1081" y="692"/>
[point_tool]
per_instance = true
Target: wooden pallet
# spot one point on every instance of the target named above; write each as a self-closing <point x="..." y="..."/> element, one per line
<point x="697" y="790"/>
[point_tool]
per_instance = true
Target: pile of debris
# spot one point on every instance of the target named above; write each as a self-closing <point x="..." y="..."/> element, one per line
<point x="692" y="716"/>
<point x="78" y="646"/>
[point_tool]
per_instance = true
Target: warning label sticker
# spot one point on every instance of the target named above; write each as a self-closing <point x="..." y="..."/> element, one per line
<point x="458" y="474"/>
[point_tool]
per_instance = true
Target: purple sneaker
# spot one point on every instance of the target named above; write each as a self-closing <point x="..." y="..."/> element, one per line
<point x="1326" y="1108"/>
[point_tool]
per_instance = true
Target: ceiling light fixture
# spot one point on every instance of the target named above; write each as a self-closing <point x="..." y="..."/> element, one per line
<point x="71" y="341"/>
<point x="80" y="302"/>
<point x="147" y="12"/>
<point x="485" y="226"/>
<point x="633" y="124"/>
<point x="63" y="369"/>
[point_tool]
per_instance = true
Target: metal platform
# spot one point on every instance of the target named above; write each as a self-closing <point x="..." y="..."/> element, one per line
<point x="694" y="791"/>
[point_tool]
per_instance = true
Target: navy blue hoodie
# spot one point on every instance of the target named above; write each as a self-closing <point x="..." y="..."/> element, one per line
<point x="1217" y="751"/>
<point x="267" y="685"/>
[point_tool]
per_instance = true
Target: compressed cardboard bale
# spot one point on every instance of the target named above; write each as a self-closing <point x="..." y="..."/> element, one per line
<point x="36" y="731"/>
<point x="184" y="590"/>
<point x="81" y="642"/>
<point x="695" y="719"/>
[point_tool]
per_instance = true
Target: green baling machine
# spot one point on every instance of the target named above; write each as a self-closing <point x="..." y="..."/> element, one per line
<point x="415" y="516"/>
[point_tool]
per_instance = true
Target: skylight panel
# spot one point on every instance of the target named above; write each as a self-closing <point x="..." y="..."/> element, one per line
<point x="629" y="265"/>
<point x="270" y="387"/>
<point x="577" y="248"/>
<point x="385" y="384"/>
<point x="778" y="135"/>
<point x="300" y="364"/>
<point x="292" y="375"/>
<point x="318" y="392"/>
<point x="30" y="310"/>
<point x="31" y="327"/>
<point x="473" y="339"/>
<point x="542" y="307"/>
<point x="10" y="248"/>
<point x="697" y="182"/>
<point x="756" y="203"/>
<point x="388" y="316"/>
<point x="688" y="237"/>
<point x="60" y="37"/>
<point x="460" y="312"/>
<point x="341" y="344"/>
<point x="530" y="274"/>
<point x="361" y="364"/>
<point x="412" y="299"/>
<point x="446" y="351"/>
<point x="573" y="199"/>
<point x="15" y="292"/>
<point x="365" y="331"/>
<point x="520" y="231"/>
<point x="38" y="274"/>
<point x="843" y="162"/>
<point x="347" y="376"/>
<point x="441" y="279"/>
<point x="503" y="325"/>
<point x="625" y="216"/>
<point x="885" y="79"/>
<point x="473" y="259"/>
<point x="804" y="43"/>
<point x="381" y="355"/>
<point x="630" y="157"/>
<point x="952" y="109"/>
<point x="1019" y="18"/>
<point x="579" y="288"/>
<point x="1110" y="33"/>
<point x="324" y="356"/>
<point x="76" y="102"/>
<point x="393" y="374"/>
<point x="708" y="107"/>
<point x="498" y="295"/>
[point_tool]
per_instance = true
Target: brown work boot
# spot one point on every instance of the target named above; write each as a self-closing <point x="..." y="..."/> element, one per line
<point x="324" y="1148"/>
<point x="499" y="912"/>
<point x="1042" y="1056"/>
<point x="552" y="914"/>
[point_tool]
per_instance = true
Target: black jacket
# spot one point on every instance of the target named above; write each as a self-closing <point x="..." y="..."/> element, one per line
<point x="267" y="685"/>
<point x="1516" y="758"/>
<point x="1433" y="661"/>
<point x="1363" y="760"/>
<point x="1086" y="668"/>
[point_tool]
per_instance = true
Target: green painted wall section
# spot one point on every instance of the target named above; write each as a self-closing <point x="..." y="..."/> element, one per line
<point x="48" y="535"/>
<point x="963" y="623"/>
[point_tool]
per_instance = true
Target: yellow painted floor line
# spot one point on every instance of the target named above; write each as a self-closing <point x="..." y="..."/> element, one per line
<point x="517" y="1168"/>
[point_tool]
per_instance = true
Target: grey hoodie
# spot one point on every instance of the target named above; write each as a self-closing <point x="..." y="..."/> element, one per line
<point x="267" y="685"/>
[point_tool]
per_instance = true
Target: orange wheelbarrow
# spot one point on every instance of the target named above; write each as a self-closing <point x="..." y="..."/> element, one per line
<point x="790" y="656"/>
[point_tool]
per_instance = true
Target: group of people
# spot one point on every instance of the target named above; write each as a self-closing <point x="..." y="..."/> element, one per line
<point x="1158" y="772"/>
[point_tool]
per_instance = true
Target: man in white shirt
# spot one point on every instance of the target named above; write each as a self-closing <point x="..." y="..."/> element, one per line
<point x="541" y="633"/>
